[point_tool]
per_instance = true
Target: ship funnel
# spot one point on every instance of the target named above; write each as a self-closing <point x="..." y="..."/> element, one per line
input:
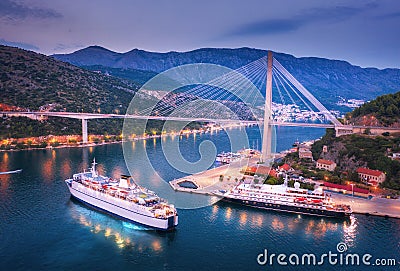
<point x="124" y="181"/>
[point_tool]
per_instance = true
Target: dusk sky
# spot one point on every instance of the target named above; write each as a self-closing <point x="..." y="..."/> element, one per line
<point x="365" y="33"/>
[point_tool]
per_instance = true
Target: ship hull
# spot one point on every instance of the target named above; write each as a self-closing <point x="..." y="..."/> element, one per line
<point x="287" y="208"/>
<point x="120" y="208"/>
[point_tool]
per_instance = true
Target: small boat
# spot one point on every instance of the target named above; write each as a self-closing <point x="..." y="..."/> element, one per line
<point x="11" y="172"/>
<point x="227" y="157"/>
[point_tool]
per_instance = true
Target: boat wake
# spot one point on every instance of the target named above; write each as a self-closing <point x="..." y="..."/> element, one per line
<point x="135" y="227"/>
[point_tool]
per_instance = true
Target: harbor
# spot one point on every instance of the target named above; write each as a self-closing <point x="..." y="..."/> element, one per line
<point x="209" y="181"/>
<point x="223" y="177"/>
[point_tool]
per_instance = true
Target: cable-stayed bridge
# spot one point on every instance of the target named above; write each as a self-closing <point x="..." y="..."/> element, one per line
<point x="232" y="96"/>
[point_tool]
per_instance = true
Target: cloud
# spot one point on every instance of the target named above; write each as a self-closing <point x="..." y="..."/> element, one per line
<point x="392" y="15"/>
<point x="14" y="11"/>
<point x="310" y="16"/>
<point x="21" y="45"/>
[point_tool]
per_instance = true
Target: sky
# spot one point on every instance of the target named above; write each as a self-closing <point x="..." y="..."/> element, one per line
<point x="362" y="32"/>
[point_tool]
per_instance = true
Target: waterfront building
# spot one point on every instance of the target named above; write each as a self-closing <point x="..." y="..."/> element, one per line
<point x="259" y="170"/>
<point x="305" y="153"/>
<point x="285" y="168"/>
<point x="370" y="176"/>
<point x="326" y="164"/>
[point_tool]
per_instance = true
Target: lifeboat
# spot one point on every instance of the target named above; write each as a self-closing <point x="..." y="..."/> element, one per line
<point x="122" y="194"/>
<point x="95" y="185"/>
<point x="316" y="201"/>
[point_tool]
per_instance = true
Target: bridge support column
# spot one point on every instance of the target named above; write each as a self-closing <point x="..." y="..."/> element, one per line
<point x="267" y="133"/>
<point x="84" y="131"/>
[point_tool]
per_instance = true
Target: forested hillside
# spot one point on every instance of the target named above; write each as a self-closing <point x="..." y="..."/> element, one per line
<point x="384" y="110"/>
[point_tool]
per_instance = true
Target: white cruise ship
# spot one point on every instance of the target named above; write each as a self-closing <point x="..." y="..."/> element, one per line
<point x="123" y="198"/>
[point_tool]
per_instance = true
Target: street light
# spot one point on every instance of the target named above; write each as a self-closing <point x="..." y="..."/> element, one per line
<point x="352" y="189"/>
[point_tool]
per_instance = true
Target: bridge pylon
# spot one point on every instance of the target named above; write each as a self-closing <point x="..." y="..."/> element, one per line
<point x="266" y="154"/>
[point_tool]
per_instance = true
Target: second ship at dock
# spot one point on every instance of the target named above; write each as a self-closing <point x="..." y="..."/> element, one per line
<point x="285" y="199"/>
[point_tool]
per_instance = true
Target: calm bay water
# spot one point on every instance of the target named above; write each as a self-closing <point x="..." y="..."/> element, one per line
<point x="41" y="228"/>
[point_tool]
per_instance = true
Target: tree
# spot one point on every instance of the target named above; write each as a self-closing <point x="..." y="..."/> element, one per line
<point x="367" y="131"/>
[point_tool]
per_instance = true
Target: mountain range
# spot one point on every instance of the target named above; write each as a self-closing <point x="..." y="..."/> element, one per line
<point x="326" y="79"/>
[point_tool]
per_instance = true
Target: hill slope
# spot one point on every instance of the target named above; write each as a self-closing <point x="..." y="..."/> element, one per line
<point x="353" y="151"/>
<point x="384" y="110"/>
<point x="31" y="80"/>
<point x="326" y="79"/>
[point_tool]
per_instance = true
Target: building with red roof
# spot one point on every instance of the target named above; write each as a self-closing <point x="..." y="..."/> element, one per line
<point x="371" y="176"/>
<point x="326" y="164"/>
<point x="305" y="153"/>
<point x="346" y="189"/>
<point x="259" y="170"/>
<point x="285" y="167"/>
<point x="249" y="170"/>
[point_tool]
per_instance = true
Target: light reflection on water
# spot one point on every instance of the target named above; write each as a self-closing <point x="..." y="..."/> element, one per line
<point x="123" y="234"/>
<point x="314" y="227"/>
<point x="4" y="179"/>
<point x="350" y="231"/>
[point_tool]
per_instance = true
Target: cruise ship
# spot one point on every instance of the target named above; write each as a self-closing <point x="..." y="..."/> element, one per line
<point x="123" y="198"/>
<point x="285" y="199"/>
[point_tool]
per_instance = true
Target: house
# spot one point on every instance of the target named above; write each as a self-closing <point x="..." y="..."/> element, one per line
<point x="285" y="168"/>
<point x="259" y="170"/>
<point x="396" y="156"/>
<point x="265" y="171"/>
<point x="326" y="164"/>
<point x="305" y="153"/>
<point x="249" y="170"/>
<point x="371" y="176"/>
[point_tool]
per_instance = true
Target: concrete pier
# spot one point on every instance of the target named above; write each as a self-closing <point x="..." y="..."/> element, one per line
<point x="375" y="206"/>
<point x="209" y="180"/>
